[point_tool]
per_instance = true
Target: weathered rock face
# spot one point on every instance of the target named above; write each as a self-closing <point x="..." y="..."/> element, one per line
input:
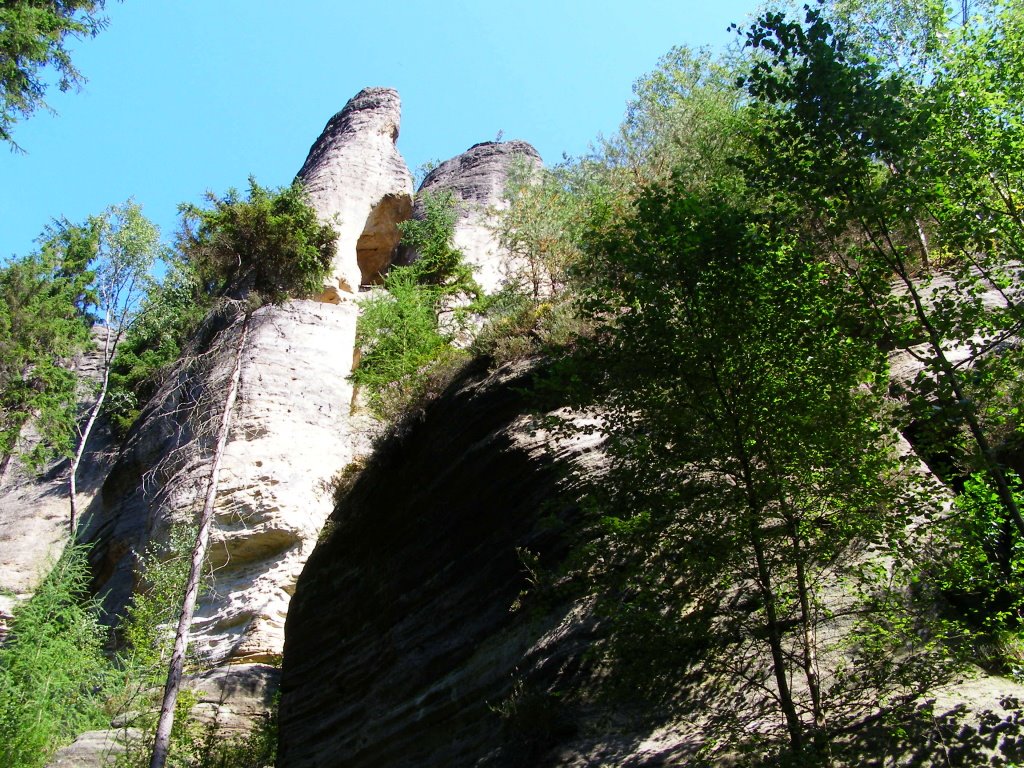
<point x="476" y="178"/>
<point x="289" y="435"/>
<point x="402" y="631"/>
<point x="356" y="179"/>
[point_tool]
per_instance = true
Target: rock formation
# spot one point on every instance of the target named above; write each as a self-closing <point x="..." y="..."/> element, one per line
<point x="402" y="631"/>
<point x="289" y="436"/>
<point x="410" y="641"/>
<point x="356" y="179"/>
<point x="292" y="431"/>
<point x="476" y="179"/>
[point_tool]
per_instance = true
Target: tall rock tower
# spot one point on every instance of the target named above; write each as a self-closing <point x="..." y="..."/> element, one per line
<point x="356" y="179"/>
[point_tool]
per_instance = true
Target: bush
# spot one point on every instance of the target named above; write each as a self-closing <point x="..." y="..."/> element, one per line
<point x="438" y="262"/>
<point x="403" y="351"/>
<point x="271" y="243"/>
<point x="54" y="676"/>
<point x="984" y="577"/>
<point x="398" y="336"/>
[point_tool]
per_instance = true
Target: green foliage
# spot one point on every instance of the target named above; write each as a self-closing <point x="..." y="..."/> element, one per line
<point x="542" y="225"/>
<point x="53" y="673"/>
<point x="974" y="150"/>
<point x="404" y="352"/>
<point x="43" y="323"/>
<point x="33" y="43"/>
<point x="198" y="745"/>
<point x="683" y="120"/>
<point x="853" y="154"/>
<point x="984" y="575"/>
<point x="170" y="313"/>
<point x="399" y="338"/>
<point x="270" y="243"/>
<point x="747" y="453"/>
<point x="128" y="245"/>
<point x="148" y="627"/>
<point x="438" y="263"/>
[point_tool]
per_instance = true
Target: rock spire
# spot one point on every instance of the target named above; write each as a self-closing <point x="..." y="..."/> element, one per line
<point x="355" y="178"/>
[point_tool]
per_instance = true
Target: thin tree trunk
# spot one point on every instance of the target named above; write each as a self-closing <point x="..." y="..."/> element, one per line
<point x="793" y="723"/>
<point x="161" y="744"/>
<point x="810" y="642"/>
<point x="946" y="373"/>
<point x="108" y="356"/>
<point x="922" y="238"/>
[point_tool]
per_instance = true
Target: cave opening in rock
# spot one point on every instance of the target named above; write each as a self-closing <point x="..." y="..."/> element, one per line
<point x="377" y="245"/>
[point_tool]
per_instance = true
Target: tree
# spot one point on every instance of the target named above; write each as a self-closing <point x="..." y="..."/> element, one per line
<point x="162" y="741"/>
<point x="541" y="226"/>
<point x="271" y="243"/>
<point x="53" y="672"/>
<point x="842" y="147"/>
<point x="33" y="38"/>
<point x="127" y="245"/>
<point x="683" y="120"/>
<point x="741" y="415"/>
<point x="43" y="324"/>
<point x="436" y="262"/>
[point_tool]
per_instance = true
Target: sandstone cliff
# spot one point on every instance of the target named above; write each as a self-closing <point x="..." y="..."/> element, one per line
<point x="402" y="632"/>
<point x="290" y="433"/>
<point x="293" y="429"/>
<point x="34" y="509"/>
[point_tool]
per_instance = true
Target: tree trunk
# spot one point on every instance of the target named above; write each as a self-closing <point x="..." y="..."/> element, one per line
<point x="809" y="662"/>
<point x="786" y="702"/>
<point x="161" y="744"/>
<point x="94" y="412"/>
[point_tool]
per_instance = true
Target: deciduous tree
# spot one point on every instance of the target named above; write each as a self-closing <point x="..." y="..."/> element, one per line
<point x="740" y="409"/>
<point x="127" y="245"/>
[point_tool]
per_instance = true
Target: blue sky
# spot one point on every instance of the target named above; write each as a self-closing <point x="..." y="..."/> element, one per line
<point x="186" y="96"/>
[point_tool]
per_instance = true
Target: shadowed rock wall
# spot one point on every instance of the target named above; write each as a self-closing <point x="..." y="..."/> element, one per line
<point x="402" y="634"/>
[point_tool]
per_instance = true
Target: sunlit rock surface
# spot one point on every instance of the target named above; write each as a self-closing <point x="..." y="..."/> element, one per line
<point x="355" y="178"/>
<point x="290" y="433"/>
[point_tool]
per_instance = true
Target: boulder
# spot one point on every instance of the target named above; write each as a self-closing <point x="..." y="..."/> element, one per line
<point x="94" y="749"/>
